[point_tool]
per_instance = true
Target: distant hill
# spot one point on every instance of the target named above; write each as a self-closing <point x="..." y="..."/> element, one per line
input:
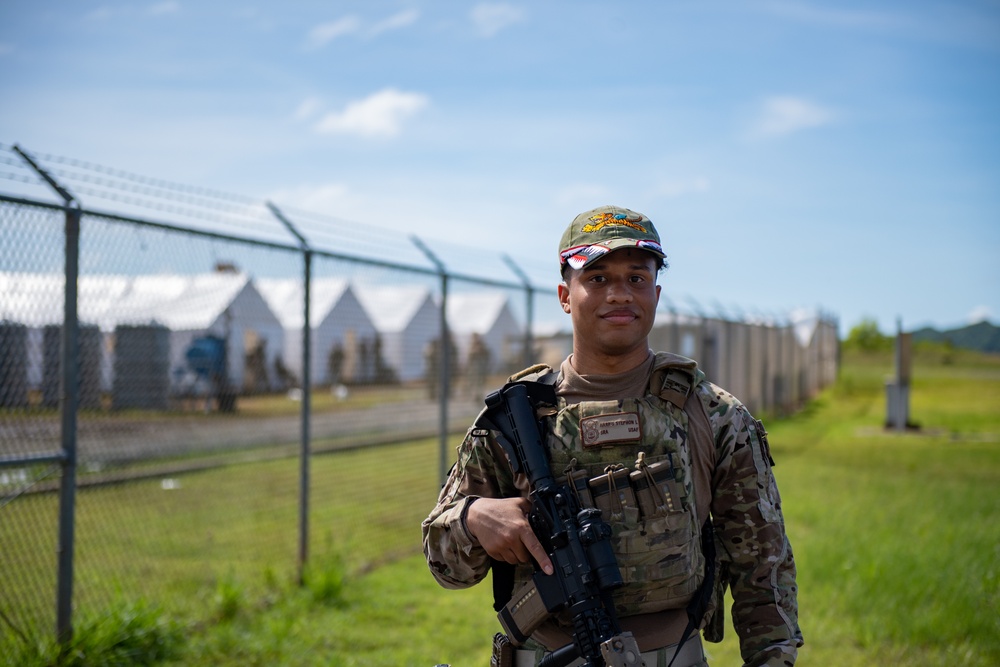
<point x="983" y="336"/>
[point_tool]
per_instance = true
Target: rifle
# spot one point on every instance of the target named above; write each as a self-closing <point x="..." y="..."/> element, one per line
<point x="576" y="539"/>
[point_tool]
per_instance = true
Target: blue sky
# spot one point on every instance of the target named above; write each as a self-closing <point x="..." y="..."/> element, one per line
<point x="843" y="155"/>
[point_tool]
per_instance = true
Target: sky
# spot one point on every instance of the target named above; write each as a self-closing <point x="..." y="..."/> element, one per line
<point x="842" y="156"/>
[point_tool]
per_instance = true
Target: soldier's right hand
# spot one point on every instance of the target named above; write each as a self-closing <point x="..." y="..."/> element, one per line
<point x="502" y="529"/>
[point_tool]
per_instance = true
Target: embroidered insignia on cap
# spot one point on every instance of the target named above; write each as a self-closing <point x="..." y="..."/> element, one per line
<point x="602" y="220"/>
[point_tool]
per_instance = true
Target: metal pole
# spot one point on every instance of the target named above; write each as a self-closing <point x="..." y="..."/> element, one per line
<point x="445" y="382"/>
<point x="69" y="401"/>
<point x="706" y="362"/>
<point x="306" y="409"/>
<point x="304" y="486"/>
<point x="529" y="297"/>
<point x="902" y="394"/>
<point x="724" y="349"/>
<point x="445" y="366"/>
<point x="675" y="327"/>
<point x="766" y="385"/>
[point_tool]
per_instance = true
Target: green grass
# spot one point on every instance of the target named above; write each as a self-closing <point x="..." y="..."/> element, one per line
<point x="895" y="533"/>
<point x="895" y="536"/>
<point x="323" y="399"/>
<point x="133" y="634"/>
<point x="228" y="534"/>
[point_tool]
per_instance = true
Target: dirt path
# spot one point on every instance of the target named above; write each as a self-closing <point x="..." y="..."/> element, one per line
<point x="109" y="440"/>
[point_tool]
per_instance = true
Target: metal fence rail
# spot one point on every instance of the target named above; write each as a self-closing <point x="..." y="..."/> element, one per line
<point x="157" y="378"/>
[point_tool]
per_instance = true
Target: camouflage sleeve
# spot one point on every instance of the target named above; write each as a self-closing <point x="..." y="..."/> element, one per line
<point x="454" y="557"/>
<point x="746" y="513"/>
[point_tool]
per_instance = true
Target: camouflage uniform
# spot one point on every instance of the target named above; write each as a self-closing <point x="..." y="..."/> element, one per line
<point x="659" y="555"/>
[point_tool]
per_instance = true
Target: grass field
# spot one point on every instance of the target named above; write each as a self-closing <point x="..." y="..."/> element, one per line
<point x="895" y="534"/>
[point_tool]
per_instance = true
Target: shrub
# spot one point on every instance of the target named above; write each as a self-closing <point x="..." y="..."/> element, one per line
<point x="134" y="634"/>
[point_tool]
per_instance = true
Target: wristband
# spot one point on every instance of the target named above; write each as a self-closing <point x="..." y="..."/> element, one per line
<point x="465" y="513"/>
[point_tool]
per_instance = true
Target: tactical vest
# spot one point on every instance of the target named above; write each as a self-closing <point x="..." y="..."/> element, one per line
<point x="648" y="499"/>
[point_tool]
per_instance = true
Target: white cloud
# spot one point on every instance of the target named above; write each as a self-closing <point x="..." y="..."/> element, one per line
<point x="163" y="8"/>
<point x="307" y="109"/>
<point x="324" y="33"/>
<point x="980" y="314"/>
<point x="489" y="19"/>
<point x="378" y="115"/>
<point x="395" y="22"/>
<point x="672" y="189"/>
<point x="784" y="115"/>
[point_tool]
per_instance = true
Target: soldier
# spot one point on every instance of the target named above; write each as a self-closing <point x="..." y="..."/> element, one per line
<point x="701" y="482"/>
<point x="478" y="367"/>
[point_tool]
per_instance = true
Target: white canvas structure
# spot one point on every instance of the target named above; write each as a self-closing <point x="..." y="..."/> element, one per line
<point x="36" y="300"/>
<point x="226" y="305"/>
<point x="407" y="320"/>
<point x="339" y="322"/>
<point x="190" y="306"/>
<point x="489" y="315"/>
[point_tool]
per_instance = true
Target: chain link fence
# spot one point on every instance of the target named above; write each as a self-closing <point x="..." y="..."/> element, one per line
<point x="169" y="425"/>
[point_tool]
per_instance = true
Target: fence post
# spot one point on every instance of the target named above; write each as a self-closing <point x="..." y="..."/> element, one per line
<point x="529" y="297"/>
<point x="70" y="391"/>
<point x="445" y="366"/>
<point x="705" y="350"/>
<point x="69" y="401"/>
<point x="306" y="412"/>
<point x="767" y="365"/>
<point x="674" y="344"/>
<point x="724" y="350"/>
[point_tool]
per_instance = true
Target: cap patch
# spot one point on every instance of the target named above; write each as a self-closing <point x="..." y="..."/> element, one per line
<point x="602" y="220"/>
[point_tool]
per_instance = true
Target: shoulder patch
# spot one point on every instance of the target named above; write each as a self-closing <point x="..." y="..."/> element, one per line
<point x="674" y="377"/>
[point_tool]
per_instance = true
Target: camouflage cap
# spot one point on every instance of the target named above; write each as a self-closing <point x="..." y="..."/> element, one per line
<point x="603" y="229"/>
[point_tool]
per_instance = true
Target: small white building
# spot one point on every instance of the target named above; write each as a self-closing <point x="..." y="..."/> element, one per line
<point x="220" y="304"/>
<point x="488" y="315"/>
<point x="343" y="336"/>
<point x="36" y="300"/>
<point x="407" y="320"/>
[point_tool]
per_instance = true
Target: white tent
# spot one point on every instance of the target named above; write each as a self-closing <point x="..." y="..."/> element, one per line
<point x="407" y="320"/>
<point x="221" y="304"/>
<point x="226" y="305"/>
<point x="341" y="329"/>
<point x="36" y="300"/>
<point x="489" y="315"/>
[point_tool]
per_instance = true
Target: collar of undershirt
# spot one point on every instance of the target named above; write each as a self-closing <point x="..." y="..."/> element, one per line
<point x="593" y="387"/>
